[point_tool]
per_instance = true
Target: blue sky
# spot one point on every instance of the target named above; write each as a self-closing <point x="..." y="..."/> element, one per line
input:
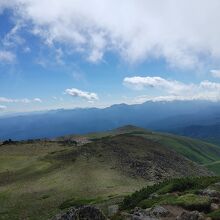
<point x="68" y="54"/>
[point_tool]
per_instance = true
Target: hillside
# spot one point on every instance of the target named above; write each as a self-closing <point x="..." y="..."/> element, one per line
<point x="209" y="132"/>
<point x="43" y="177"/>
<point x="183" y="198"/>
<point x="196" y="150"/>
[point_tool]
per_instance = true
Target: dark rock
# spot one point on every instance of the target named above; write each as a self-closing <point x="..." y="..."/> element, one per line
<point x="195" y="215"/>
<point x="215" y="200"/>
<point x="81" y="213"/>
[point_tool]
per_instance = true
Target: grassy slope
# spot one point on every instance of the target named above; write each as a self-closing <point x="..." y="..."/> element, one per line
<point x="215" y="167"/>
<point x="194" y="149"/>
<point x="199" y="151"/>
<point x="33" y="185"/>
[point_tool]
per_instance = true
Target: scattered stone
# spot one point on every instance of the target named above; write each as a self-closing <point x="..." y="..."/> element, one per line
<point x="112" y="210"/>
<point x="153" y="195"/>
<point x="214" y="206"/>
<point x="194" y="215"/>
<point x="149" y="214"/>
<point x="159" y="211"/>
<point x="82" y="213"/>
<point x="217" y="184"/>
<point x="141" y="214"/>
<point x="69" y="215"/>
<point x="210" y="193"/>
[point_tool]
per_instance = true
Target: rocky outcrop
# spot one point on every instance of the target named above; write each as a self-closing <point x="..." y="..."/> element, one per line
<point x="81" y="213"/>
<point x="159" y="211"/>
<point x="195" y="215"/>
<point x="154" y="213"/>
<point x="210" y="193"/>
<point x="150" y="160"/>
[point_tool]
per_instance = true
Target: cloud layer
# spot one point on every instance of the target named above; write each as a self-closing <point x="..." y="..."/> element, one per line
<point x="3" y="107"/>
<point x="183" y="32"/>
<point x="25" y="100"/>
<point x="215" y="73"/>
<point x="90" y="96"/>
<point x="174" y="90"/>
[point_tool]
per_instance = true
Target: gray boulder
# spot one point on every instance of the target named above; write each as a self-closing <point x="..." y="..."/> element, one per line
<point x="210" y="193"/>
<point x="149" y="214"/>
<point x="112" y="210"/>
<point x="159" y="211"/>
<point x="214" y="206"/>
<point x="140" y="214"/>
<point x="81" y="213"/>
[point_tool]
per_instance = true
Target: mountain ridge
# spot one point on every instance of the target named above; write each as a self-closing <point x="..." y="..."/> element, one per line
<point x="160" y="116"/>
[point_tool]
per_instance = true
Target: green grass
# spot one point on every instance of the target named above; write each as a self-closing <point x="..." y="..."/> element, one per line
<point x="215" y="167"/>
<point x="187" y="201"/>
<point x="37" y="182"/>
<point x="148" y="203"/>
<point x="214" y="215"/>
<point x="193" y="202"/>
<point x="195" y="150"/>
<point x="77" y="202"/>
<point x="169" y="186"/>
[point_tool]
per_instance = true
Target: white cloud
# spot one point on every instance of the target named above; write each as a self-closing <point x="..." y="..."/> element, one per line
<point x="7" y="56"/>
<point x="215" y="73"/>
<point x="12" y="38"/>
<point x="25" y="100"/>
<point x="173" y="86"/>
<point x="90" y="96"/>
<point x="9" y="100"/>
<point x="37" y="100"/>
<point x="182" y="32"/>
<point x="5" y="4"/>
<point x="3" y="107"/>
<point x="210" y="85"/>
<point x="174" y="90"/>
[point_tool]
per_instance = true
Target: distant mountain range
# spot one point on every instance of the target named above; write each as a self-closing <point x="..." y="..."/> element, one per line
<point x="199" y="119"/>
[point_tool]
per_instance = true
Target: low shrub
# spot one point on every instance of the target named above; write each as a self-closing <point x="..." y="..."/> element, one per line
<point x="214" y="215"/>
<point x="194" y="202"/>
<point x="168" y="186"/>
